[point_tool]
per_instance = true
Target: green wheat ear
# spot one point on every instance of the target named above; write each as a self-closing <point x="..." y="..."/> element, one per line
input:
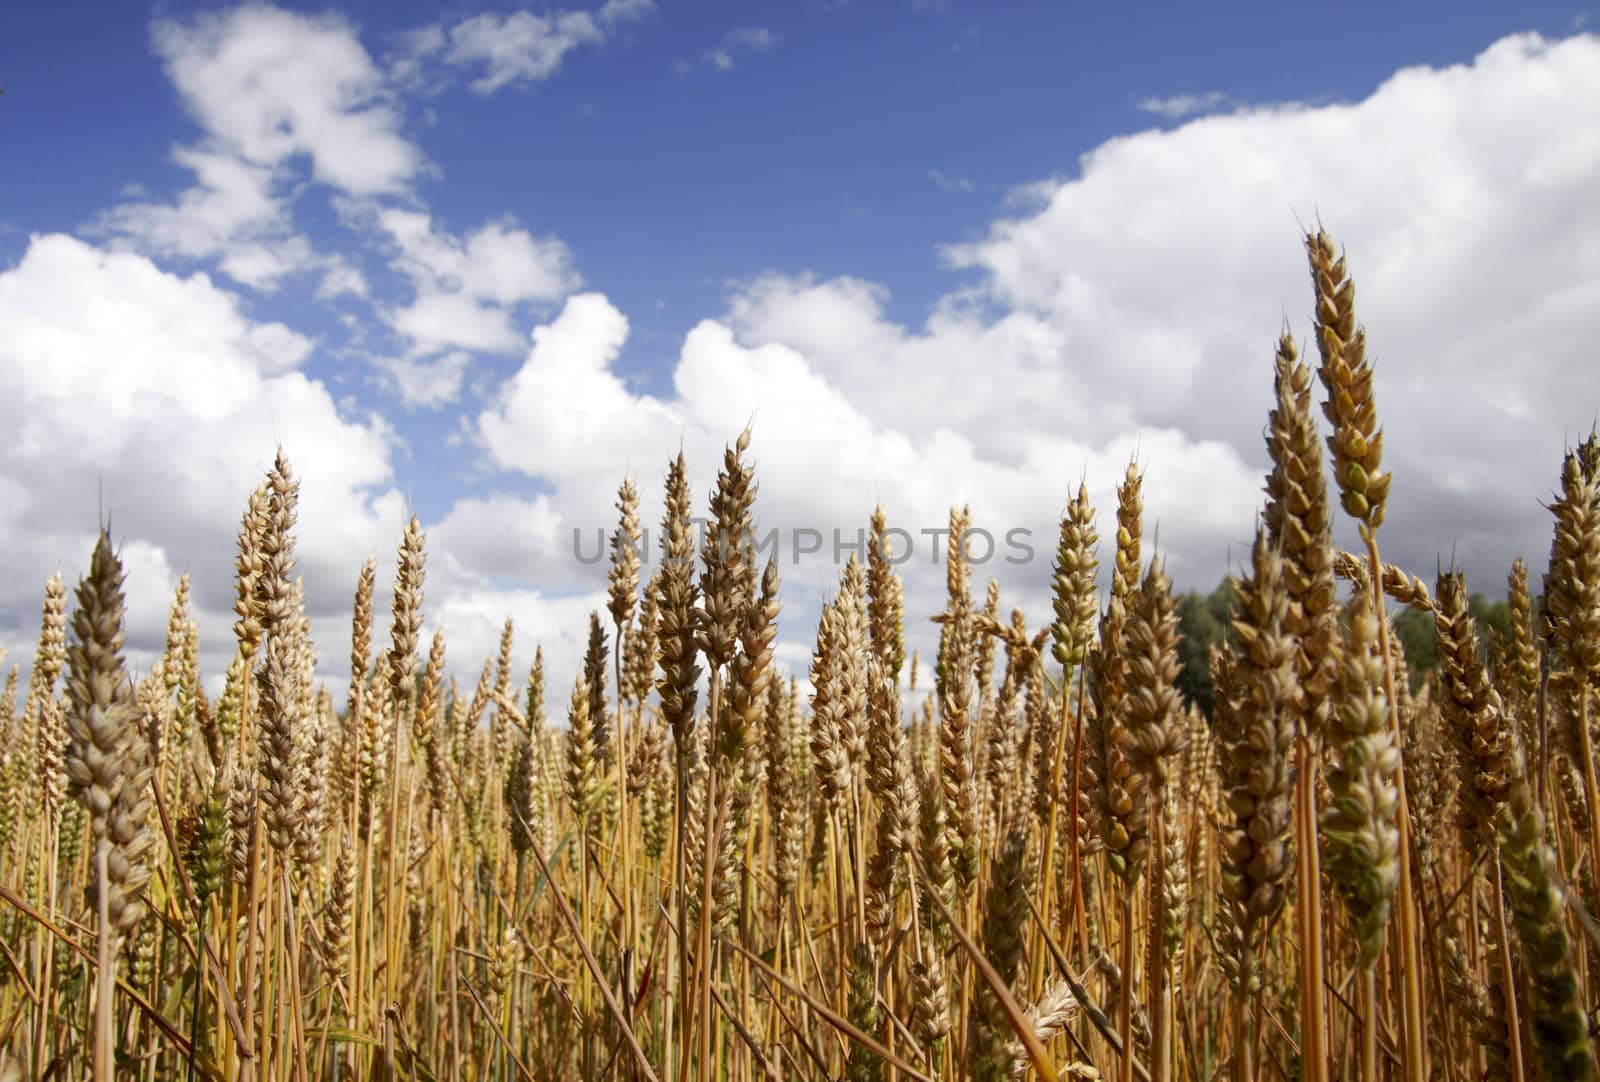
<point x="1559" y="1023"/>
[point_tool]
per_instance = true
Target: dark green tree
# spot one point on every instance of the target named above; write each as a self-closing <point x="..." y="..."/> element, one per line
<point x="1419" y="642"/>
<point x="1204" y="621"/>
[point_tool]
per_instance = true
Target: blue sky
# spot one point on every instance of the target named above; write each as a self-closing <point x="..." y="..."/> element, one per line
<point x="869" y="202"/>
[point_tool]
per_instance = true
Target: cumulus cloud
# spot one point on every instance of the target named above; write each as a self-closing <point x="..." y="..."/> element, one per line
<point x="500" y="536"/>
<point x="827" y="451"/>
<point x="1127" y="312"/>
<point x="1464" y="195"/>
<point x="153" y="399"/>
<point x="271" y="85"/>
<point x="279" y="97"/>
<point x="232" y="211"/>
<point x="467" y="289"/>
<point x="569" y="368"/>
<point x="1131" y="313"/>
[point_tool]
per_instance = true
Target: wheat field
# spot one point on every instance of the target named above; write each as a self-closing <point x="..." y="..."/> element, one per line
<point x="1040" y="862"/>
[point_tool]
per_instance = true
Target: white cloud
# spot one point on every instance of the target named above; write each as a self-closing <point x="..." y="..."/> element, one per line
<point x="340" y="279"/>
<point x="1465" y="196"/>
<point x="545" y="417"/>
<point x="270" y="85"/>
<point x="467" y="289"/>
<point x="153" y="398"/>
<point x="826" y="449"/>
<point x="724" y="56"/>
<point x="427" y="383"/>
<point x="232" y="210"/>
<point x="473" y="617"/>
<point x="504" y="537"/>
<point x="616" y="12"/>
<point x="1182" y="106"/>
<point x="1127" y="311"/>
<point x="894" y="374"/>
<point x="235" y="213"/>
<point x="952" y="184"/>
<point x="521" y="47"/>
<point x="755" y="38"/>
<point x="279" y="96"/>
<point x="1132" y="313"/>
